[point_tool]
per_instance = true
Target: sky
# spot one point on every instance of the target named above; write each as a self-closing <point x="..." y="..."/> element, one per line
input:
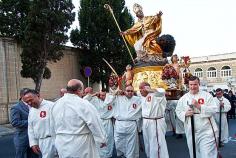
<point x="200" y="27"/>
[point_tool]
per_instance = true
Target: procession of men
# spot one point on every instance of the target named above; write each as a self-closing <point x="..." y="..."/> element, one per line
<point x="87" y="124"/>
<point x="134" y="113"/>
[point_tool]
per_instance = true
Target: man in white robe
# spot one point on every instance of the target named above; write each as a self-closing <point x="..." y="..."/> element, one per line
<point x="41" y="137"/>
<point x="91" y="96"/>
<point x="225" y="106"/>
<point x="106" y="114"/>
<point x="77" y="124"/>
<point x="127" y="112"/>
<point x="176" y="122"/>
<point x="204" y="108"/>
<point x="170" y="116"/>
<point x="154" y="125"/>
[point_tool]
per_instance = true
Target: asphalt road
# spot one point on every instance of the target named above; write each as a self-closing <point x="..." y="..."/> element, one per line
<point x="177" y="147"/>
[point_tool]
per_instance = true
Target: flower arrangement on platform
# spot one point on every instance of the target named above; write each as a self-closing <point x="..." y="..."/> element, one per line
<point x="170" y="76"/>
<point x="185" y="61"/>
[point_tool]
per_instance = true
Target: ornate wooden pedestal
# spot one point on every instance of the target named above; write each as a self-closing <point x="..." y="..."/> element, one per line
<point x="150" y="74"/>
<point x="174" y="94"/>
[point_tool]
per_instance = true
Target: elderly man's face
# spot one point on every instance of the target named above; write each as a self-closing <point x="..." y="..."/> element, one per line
<point x="143" y="90"/>
<point x="32" y="100"/>
<point x="129" y="92"/>
<point x="88" y="90"/>
<point x="102" y="95"/>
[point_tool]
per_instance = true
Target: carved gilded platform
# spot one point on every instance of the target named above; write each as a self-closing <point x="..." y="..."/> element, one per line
<point x="150" y="74"/>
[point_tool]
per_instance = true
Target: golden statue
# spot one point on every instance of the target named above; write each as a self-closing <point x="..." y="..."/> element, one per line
<point x="143" y="35"/>
<point x="151" y="50"/>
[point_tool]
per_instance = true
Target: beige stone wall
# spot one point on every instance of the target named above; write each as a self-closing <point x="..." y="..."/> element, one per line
<point x="216" y="61"/>
<point x="11" y="81"/>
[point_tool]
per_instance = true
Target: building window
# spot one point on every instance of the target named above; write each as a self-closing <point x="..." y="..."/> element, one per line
<point x="198" y="72"/>
<point x="226" y="71"/>
<point x="211" y="72"/>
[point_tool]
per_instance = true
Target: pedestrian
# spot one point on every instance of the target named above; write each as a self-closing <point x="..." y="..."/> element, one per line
<point x="127" y="112"/>
<point x="19" y="120"/>
<point x="106" y="113"/>
<point x="232" y="100"/>
<point x="153" y="104"/>
<point x="77" y="124"/>
<point x="61" y="93"/>
<point x="41" y="137"/>
<point x="225" y="106"/>
<point x="90" y="95"/>
<point x="204" y="107"/>
<point x="179" y="125"/>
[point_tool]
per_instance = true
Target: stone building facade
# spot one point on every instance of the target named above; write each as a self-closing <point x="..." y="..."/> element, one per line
<point x="215" y="71"/>
<point x="11" y="81"/>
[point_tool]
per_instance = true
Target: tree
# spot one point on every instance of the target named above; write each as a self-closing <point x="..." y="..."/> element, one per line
<point x="43" y="35"/>
<point x="12" y="16"/>
<point x="99" y="37"/>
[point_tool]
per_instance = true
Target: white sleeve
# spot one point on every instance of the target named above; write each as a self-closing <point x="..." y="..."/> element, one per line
<point x="227" y="105"/>
<point x="110" y="98"/>
<point x="181" y="110"/>
<point x="163" y="103"/>
<point x="160" y="92"/>
<point x="88" y="97"/>
<point x="94" y="123"/>
<point x="209" y="108"/>
<point x="32" y="140"/>
<point x="52" y="124"/>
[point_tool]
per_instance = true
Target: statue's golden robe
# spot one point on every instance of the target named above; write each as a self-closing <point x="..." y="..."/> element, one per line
<point x="150" y="28"/>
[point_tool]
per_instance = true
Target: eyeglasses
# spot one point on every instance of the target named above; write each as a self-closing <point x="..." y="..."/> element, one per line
<point x="129" y="91"/>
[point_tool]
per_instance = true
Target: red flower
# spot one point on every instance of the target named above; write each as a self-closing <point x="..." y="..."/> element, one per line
<point x="169" y="72"/>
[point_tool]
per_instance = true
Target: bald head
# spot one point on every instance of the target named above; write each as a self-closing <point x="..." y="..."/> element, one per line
<point x="88" y="90"/>
<point x="75" y="86"/>
<point x="143" y="88"/>
<point x="143" y="84"/>
<point x="73" y="82"/>
<point x="129" y="91"/>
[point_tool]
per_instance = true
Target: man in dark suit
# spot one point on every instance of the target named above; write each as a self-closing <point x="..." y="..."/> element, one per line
<point x="19" y="119"/>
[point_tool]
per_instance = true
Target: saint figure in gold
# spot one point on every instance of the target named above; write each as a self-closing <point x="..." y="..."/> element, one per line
<point x="143" y="34"/>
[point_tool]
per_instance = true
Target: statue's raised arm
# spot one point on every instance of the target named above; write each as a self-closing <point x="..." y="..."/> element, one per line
<point x="143" y="37"/>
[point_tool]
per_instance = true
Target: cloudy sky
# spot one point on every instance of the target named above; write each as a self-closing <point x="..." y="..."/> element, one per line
<point x="200" y="27"/>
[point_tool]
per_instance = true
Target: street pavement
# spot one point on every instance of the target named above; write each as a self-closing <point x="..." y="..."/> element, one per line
<point x="177" y="147"/>
<point x="6" y="130"/>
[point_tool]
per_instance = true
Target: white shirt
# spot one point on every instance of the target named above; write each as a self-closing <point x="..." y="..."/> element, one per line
<point x="39" y="125"/>
<point x="127" y="108"/>
<point x="153" y="105"/>
<point x="74" y="116"/>
<point x="208" y="109"/>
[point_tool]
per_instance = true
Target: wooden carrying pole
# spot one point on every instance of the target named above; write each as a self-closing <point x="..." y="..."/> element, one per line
<point x="193" y="133"/>
<point x="220" y="122"/>
<point x="107" y="6"/>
